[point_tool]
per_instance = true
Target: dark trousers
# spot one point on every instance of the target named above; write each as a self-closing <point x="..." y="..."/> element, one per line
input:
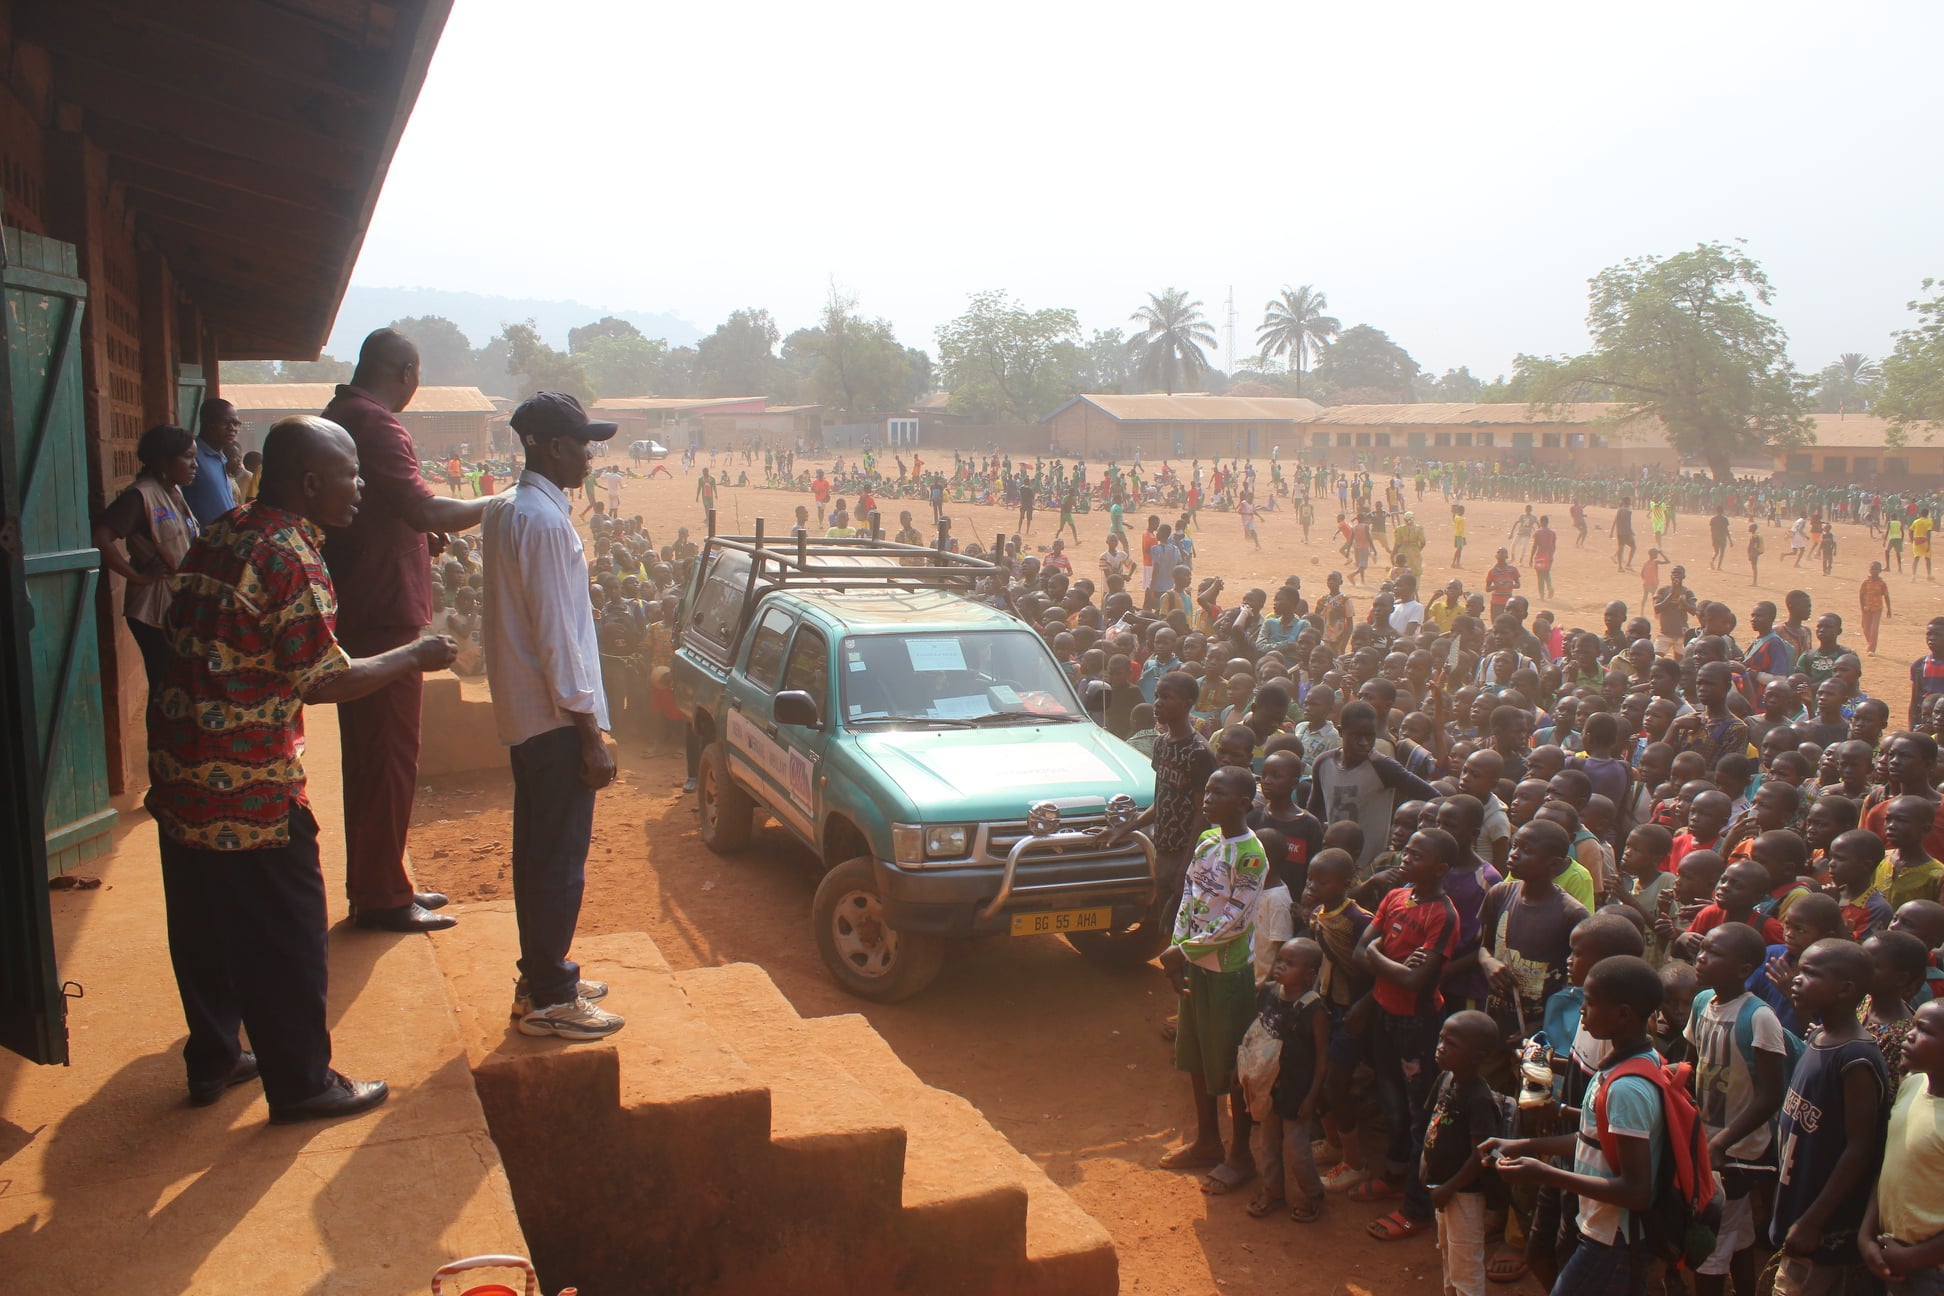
<point x="1401" y="1055"/>
<point x="247" y="939"/>
<point x="380" y="734"/>
<point x="553" y="821"/>
<point x="155" y="649"/>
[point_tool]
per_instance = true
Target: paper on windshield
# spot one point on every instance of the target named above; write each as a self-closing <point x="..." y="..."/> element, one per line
<point x="961" y="708"/>
<point x="935" y="654"/>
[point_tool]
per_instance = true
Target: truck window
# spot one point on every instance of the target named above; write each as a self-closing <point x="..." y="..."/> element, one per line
<point x="809" y="667"/>
<point x="766" y="648"/>
<point x="719" y="603"/>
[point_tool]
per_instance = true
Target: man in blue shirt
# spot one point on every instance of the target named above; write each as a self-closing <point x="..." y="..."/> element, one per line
<point x="209" y="496"/>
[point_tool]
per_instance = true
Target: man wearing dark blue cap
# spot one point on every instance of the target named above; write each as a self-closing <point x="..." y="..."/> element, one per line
<point x="543" y="662"/>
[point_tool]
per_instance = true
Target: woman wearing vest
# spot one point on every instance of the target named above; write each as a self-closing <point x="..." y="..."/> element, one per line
<point x="154" y="522"/>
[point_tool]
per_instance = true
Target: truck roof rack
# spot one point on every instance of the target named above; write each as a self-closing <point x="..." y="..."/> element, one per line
<point x="854" y="562"/>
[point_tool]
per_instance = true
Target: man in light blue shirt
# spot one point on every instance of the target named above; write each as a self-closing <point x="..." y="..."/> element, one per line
<point x="543" y="663"/>
<point x="209" y="496"/>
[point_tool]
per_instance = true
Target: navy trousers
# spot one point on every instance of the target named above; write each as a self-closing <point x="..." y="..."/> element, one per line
<point x="553" y="822"/>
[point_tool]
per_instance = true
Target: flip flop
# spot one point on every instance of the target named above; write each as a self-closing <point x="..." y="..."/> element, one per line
<point x="1506" y="1268"/>
<point x="1396" y="1227"/>
<point x="1375" y="1189"/>
<point x="1262" y="1205"/>
<point x="1226" y="1177"/>
<point x="1186" y="1158"/>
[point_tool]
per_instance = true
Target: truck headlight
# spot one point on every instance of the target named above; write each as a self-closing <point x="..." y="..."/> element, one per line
<point x="945" y="841"/>
<point x="916" y="843"/>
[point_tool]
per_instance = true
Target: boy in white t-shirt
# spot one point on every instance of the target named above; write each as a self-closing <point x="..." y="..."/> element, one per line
<point x="1737" y="1095"/>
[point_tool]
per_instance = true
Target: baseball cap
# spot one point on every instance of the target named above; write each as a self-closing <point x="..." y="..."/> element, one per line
<point x="557" y="414"/>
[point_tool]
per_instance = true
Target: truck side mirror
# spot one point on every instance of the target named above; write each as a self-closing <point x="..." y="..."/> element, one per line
<point x="795" y="707"/>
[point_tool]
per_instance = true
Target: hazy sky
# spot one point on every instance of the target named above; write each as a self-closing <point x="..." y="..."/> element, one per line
<point x="1452" y="174"/>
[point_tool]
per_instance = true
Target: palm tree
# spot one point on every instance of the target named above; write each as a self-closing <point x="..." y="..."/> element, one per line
<point x="1170" y="348"/>
<point x="1294" y="325"/>
<point x="1850" y="383"/>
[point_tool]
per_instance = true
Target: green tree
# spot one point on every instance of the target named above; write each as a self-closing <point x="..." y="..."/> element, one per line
<point x="493" y="377"/>
<point x="1682" y="339"/>
<point x="1002" y="362"/>
<point x="446" y="357"/>
<point x="622" y="366"/>
<point x="545" y="369"/>
<point x="245" y="372"/>
<point x="1110" y="362"/>
<point x="1168" y="352"/>
<point x="739" y="358"/>
<point x="1295" y="327"/>
<point x="608" y="326"/>
<point x="1365" y="357"/>
<point x="1852" y="382"/>
<point x="1913" y="375"/>
<point x="854" y="364"/>
<point x="325" y="369"/>
<point x="1457" y="386"/>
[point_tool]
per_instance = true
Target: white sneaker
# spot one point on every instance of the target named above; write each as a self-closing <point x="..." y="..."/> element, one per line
<point x="523" y="997"/>
<point x="576" y="1019"/>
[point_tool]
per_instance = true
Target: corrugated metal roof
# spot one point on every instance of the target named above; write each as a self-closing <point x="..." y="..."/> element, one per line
<point x="310" y="398"/>
<point x="1864" y="432"/>
<point x="1509" y="413"/>
<point x="1200" y="408"/>
<point x="671" y="402"/>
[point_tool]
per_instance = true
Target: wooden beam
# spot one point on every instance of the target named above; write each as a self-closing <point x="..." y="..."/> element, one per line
<point x="218" y="211"/>
<point x="92" y="45"/>
<point x="158" y="104"/>
<point x="158" y="151"/>
<point x="267" y="36"/>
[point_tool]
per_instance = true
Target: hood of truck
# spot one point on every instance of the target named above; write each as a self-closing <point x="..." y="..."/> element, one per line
<point x="955" y="775"/>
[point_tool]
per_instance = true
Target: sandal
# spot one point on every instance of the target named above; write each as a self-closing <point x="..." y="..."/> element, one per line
<point x="1186" y="1157"/>
<point x="1375" y="1189"/>
<point x="1263" y="1204"/>
<point x="1226" y="1177"/>
<point x="1506" y="1268"/>
<point x="1396" y="1227"/>
<point x="1307" y="1211"/>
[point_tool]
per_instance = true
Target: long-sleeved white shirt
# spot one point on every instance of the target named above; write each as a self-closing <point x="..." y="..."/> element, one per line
<point x="543" y="659"/>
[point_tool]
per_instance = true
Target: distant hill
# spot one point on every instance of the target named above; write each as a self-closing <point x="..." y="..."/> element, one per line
<point x="480" y="317"/>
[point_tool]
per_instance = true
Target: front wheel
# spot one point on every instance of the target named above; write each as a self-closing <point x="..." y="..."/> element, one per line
<point x="863" y="954"/>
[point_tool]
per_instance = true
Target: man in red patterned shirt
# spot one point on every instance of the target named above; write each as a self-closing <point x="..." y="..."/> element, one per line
<point x="252" y="626"/>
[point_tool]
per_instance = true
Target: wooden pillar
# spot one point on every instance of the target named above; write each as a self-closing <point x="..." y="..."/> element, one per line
<point x="158" y="308"/>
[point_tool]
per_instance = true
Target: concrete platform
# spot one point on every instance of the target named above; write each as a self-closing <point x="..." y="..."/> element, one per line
<point x="109" y="1182"/>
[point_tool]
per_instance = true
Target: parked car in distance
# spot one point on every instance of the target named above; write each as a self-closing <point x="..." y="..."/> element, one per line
<point x="647" y="450"/>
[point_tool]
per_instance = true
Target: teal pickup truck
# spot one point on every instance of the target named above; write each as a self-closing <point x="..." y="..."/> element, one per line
<point x="926" y="746"/>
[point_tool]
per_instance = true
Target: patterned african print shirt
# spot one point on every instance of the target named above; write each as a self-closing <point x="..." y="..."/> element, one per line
<point x="253" y="626"/>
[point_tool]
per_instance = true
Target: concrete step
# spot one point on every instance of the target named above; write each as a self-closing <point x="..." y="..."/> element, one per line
<point x="952" y="1150"/>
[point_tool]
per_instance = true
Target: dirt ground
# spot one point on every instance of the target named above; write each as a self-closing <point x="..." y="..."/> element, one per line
<point x="1063" y="1058"/>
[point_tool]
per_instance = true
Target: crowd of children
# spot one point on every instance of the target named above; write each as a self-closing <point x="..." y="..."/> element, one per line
<point x="1632" y="932"/>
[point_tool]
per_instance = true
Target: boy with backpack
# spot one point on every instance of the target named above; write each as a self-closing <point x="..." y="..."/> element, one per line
<point x="1742" y="1062"/>
<point x="1831" y="1129"/>
<point x="1638" y="1162"/>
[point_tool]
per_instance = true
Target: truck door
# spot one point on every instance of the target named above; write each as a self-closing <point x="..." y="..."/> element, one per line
<point x="808" y="668"/>
<point x="756" y="758"/>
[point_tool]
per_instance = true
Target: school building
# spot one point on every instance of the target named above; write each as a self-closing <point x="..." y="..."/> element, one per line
<point x="710" y="422"/>
<point x="1196" y="425"/>
<point x="179" y="182"/>
<point x="443" y="421"/>
<point x="1857" y="448"/>
<point x="1190" y="425"/>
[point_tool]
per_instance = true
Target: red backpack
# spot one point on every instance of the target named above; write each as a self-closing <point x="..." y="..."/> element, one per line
<point x="1684" y="1190"/>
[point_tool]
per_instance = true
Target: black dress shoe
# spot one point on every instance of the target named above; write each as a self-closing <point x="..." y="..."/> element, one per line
<point x="405" y="918"/>
<point x="342" y="1097"/>
<point x="204" y="1093"/>
<point x="430" y="899"/>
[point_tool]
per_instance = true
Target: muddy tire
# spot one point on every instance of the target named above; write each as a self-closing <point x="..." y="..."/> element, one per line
<point x="865" y="956"/>
<point x="728" y="813"/>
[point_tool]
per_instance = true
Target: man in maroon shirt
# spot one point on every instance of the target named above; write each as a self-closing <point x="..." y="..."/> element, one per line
<point x="382" y="568"/>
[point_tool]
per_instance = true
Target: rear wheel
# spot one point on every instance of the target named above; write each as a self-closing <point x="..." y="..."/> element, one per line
<point x="728" y="812"/>
<point x="863" y="954"/>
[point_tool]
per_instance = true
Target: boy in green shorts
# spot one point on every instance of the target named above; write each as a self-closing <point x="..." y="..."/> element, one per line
<point x="1211" y="964"/>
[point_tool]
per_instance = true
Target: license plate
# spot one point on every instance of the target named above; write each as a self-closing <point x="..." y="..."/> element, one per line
<point x="1062" y="920"/>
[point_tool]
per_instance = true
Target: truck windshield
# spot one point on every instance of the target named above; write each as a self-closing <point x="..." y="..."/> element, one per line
<point x="953" y="679"/>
